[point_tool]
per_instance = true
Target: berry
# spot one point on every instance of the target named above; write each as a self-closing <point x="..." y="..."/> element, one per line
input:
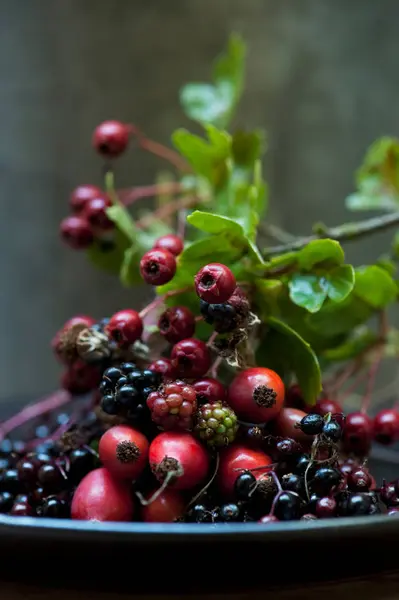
<point x="9" y="481"/>
<point x="311" y="424"/>
<point x="166" y="508"/>
<point x="123" y="451"/>
<point x="109" y="404"/>
<point x="95" y="212"/>
<point x="216" y="424"/>
<point x="287" y="425"/>
<point x="6" y="502"/>
<point x="173" y="243"/>
<point x="293" y="483"/>
<point x="27" y="472"/>
<point x="267" y="519"/>
<point x="51" y="478"/>
<point x="287" y="447"/>
<point x="393" y="512"/>
<point x="191" y="358"/>
<point x="254" y="436"/>
<point x="324" y="479"/>
<point x="221" y="316"/>
<point x="78" y="320"/>
<point x="256" y="394"/>
<point x="164" y="367"/>
<point x="81" y="462"/>
<point x="209" y="390"/>
<point x="173" y="406"/>
<point x="54" y="508"/>
<point x="111" y="138"/>
<point x="76" y="232"/>
<point x="359" y="480"/>
<point x="287" y="506"/>
<point x="81" y="196"/>
<point x="21" y="509"/>
<point x="325" y="405"/>
<point x="158" y="267"/>
<point x="80" y="378"/>
<point x="332" y="430"/>
<point x="386" y="426"/>
<point x="100" y="497"/>
<point x="235" y="459"/>
<point x="294" y="397"/>
<point x="228" y="513"/>
<point x="181" y="457"/>
<point x="215" y="283"/>
<point x="244" y="486"/>
<point x="358" y="505"/>
<point x="389" y="495"/>
<point x="357" y="433"/>
<point x="111" y="377"/>
<point x="302" y="465"/>
<point x="326" y="508"/>
<point x="125" y="327"/>
<point x="199" y="514"/>
<point x="176" y="323"/>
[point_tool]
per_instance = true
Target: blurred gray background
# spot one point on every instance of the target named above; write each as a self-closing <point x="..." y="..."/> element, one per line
<point x="322" y="79"/>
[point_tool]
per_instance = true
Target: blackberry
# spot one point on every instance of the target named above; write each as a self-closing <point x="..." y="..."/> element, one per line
<point x="216" y="424"/>
<point x="173" y="406"/>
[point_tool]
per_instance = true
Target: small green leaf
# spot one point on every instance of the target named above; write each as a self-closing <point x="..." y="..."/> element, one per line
<point x="247" y="147"/>
<point x="339" y="318"/>
<point x="216" y="224"/>
<point x="375" y="286"/>
<point x="308" y="291"/>
<point x="320" y="252"/>
<point x="285" y="351"/>
<point x="206" y="249"/>
<point x="341" y="281"/>
<point x="129" y="271"/>
<point x="361" y="339"/>
<point x="109" y="255"/>
<point x="123" y="221"/>
<point x="386" y="263"/>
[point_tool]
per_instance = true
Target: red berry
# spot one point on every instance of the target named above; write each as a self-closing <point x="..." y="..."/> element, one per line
<point x="173" y="406"/>
<point x="256" y="394"/>
<point x="268" y="519"/>
<point x="215" y="283"/>
<point x="176" y="323"/>
<point x="386" y="426"/>
<point x="124" y="452"/>
<point x="357" y="434"/>
<point x="209" y="390"/>
<point x="157" y="267"/>
<point x="286" y="425"/>
<point x="100" y="497"/>
<point x="294" y="397"/>
<point x="359" y="479"/>
<point x="165" y="367"/>
<point x="76" y="232"/>
<point x="170" y="242"/>
<point x="77" y="320"/>
<point x="234" y="460"/>
<point x="191" y="358"/>
<point x="81" y="196"/>
<point x="96" y="215"/>
<point x="326" y="508"/>
<point x="325" y="405"/>
<point x="180" y="454"/>
<point x="80" y="378"/>
<point x="111" y="138"/>
<point x="167" y="508"/>
<point x="125" y="327"/>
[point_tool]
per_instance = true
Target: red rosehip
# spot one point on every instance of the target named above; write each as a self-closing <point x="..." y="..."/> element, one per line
<point x="176" y="323"/>
<point x="180" y="454"/>
<point x="286" y="425"/>
<point x="157" y="267"/>
<point x="96" y="215"/>
<point x="100" y="497"/>
<point x="80" y="378"/>
<point x="125" y="327"/>
<point x="76" y="232"/>
<point x="209" y="390"/>
<point x="357" y="433"/>
<point x="386" y="426"/>
<point x="166" y="508"/>
<point x="165" y="367"/>
<point x="124" y="452"/>
<point x="215" y="283"/>
<point x="256" y="394"/>
<point x="325" y="405"/>
<point x="234" y="460"/>
<point x="268" y="519"/>
<point x="81" y="196"/>
<point x="111" y="138"/>
<point x="170" y="242"/>
<point x="191" y="358"/>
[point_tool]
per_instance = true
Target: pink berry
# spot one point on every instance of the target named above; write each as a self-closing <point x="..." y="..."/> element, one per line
<point x="158" y="267"/>
<point x="386" y="426"/>
<point x="234" y="460"/>
<point x="181" y="455"/>
<point x="96" y="215"/>
<point x="168" y="507"/>
<point x="215" y="283"/>
<point x="176" y="323"/>
<point x="125" y="327"/>
<point x="209" y="390"/>
<point x="268" y="519"/>
<point x="76" y="232"/>
<point x="124" y="452"/>
<point x="287" y="425"/>
<point x="191" y="358"/>
<point x="81" y="196"/>
<point x="325" y="405"/>
<point x="357" y="433"/>
<point x="326" y="508"/>
<point x="173" y="406"/>
<point x="100" y="497"/>
<point x="170" y="242"/>
<point x="256" y="394"/>
<point x="111" y="138"/>
<point x="80" y="378"/>
<point x="359" y="479"/>
<point x="165" y="367"/>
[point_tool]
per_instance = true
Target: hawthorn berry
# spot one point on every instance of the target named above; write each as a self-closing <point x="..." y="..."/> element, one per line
<point x="172" y="243"/>
<point x="81" y="196"/>
<point x="286" y="424"/>
<point x="215" y="283"/>
<point x="80" y="378"/>
<point x="386" y="426"/>
<point x="191" y="358"/>
<point x="123" y="451"/>
<point x="111" y="138"/>
<point x="236" y="459"/>
<point x="176" y="323"/>
<point x="125" y="327"/>
<point x="96" y="215"/>
<point x="209" y="390"/>
<point x="76" y="232"/>
<point x="168" y="507"/>
<point x="158" y="267"/>
<point x="164" y="367"/>
<point x="357" y="433"/>
<point x="324" y="406"/>
<point x="256" y="394"/>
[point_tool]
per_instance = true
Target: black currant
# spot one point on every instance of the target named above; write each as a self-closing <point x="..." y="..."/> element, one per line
<point x="312" y="424"/>
<point x="332" y="430"/>
<point x="288" y="506"/>
<point x="244" y="486"/>
<point x="324" y="479"/>
<point x="229" y="513"/>
<point x="199" y="514"/>
<point x="291" y="482"/>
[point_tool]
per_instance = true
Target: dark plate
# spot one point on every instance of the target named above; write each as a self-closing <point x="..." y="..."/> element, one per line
<point x="176" y="557"/>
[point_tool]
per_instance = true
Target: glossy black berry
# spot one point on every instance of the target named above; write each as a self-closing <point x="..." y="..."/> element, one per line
<point x="122" y="381"/>
<point x="324" y="479"/>
<point x="332" y="431"/>
<point x="293" y="483"/>
<point x="6" y="502"/>
<point x="27" y="471"/>
<point x="358" y="505"/>
<point x="312" y="424"/>
<point x="36" y="497"/>
<point x="288" y="506"/>
<point x="312" y="503"/>
<point x="54" y="508"/>
<point x="127" y="367"/>
<point x="128" y="395"/>
<point x="199" y="514"/>
<point x="9" y="481"/>
<point x="302" y="465"/>
<point x="223" y="317"/>
<point x="50" y="477"/>
<point x="244" y="486"/>
<point x="81" y="461"/>
<point x="287" y="447"/>
<point x="389" y="495"/>
<point x="109" y="405"/>
<point x="229" y="513"/>
<point x="112" y="375"/>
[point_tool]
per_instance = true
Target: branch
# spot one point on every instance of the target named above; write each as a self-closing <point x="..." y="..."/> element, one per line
<point x="345" y="232"/>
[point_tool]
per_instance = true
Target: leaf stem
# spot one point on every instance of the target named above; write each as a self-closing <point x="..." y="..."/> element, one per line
<point x="161" y="299"/>
<point x="131" y="195"/>
<point x="168" y="209"/>
<point x="163" y="152"/>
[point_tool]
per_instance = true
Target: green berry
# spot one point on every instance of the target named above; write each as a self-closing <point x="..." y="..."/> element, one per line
<point x="216" y="424"/>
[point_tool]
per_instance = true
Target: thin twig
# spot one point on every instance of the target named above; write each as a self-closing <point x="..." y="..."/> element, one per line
<point x="276" y="233"/>
<point x="164" y="152"/>
<point x="169" y="209"/>
<point x="129" y="196"/>
<point x="203" y="490"/>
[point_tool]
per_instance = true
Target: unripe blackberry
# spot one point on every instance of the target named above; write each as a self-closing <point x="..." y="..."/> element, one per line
<point x="216" y="424"/>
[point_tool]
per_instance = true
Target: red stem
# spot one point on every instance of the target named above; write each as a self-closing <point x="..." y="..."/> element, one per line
<point x="155" y="303"/>
<point x="131" y="195"/>
<point x="164" y="152"/>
